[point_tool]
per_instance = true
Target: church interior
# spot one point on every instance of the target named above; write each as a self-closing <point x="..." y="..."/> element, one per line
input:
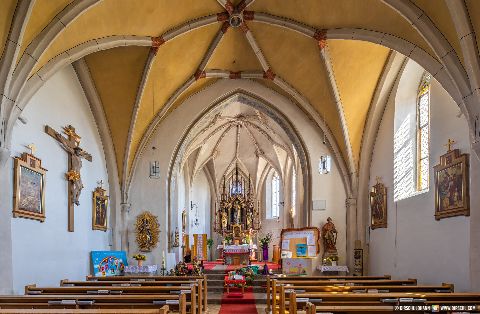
<point x="239" y="156"/>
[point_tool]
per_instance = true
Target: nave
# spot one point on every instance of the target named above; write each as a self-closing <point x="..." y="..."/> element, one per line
<point x="239" y="156"/>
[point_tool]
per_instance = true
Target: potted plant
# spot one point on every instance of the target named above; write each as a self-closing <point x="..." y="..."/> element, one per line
<point x="210" y="245"/>
<point x="264" y="242"/>
<point x="139" y="258"/>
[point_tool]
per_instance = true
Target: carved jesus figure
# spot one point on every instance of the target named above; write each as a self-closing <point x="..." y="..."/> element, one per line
<point x="75" y="153"/>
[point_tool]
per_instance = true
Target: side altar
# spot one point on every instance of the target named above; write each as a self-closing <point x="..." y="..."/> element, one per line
<point x="237" y="218"/>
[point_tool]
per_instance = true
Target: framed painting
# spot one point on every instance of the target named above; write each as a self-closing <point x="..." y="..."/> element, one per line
<point x="451" y="185"/>
<point x="378" y="206"/>
<point x="99" y="210"/>
<point x="29" y="188"/>
<point x="108" y="263"/>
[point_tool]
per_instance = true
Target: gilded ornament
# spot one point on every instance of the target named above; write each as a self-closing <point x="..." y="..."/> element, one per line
<point x="147" y="231"/>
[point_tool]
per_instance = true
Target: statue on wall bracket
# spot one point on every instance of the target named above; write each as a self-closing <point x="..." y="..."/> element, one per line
<point x="378" y="205"/>
<point x="147" y="231"/>
<point x="452" y="196"/>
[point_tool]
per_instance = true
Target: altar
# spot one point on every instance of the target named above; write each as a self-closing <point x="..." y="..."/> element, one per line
<point x="237" y="254"/>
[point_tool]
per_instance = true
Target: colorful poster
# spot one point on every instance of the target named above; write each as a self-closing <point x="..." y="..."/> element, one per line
<point x="108" y="263"/>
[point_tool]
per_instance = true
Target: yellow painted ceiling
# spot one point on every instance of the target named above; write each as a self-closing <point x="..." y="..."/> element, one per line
<point x="297" y="60"/>
<point x="174" y="64"/>
<point x="6" y="14"/>
<point x="357" y="66"/>
<point x="367" y="14"/>
<point x="234" y="53"/>
<point x="474" y="13"/>
<point x="127" y="17"/>
<point x="438" y="12"/>
<point x="117" y="74"/>
<point x="42" y="13"/>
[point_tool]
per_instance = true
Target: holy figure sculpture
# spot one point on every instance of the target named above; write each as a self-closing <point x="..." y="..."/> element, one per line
<point x="329" y="236"/>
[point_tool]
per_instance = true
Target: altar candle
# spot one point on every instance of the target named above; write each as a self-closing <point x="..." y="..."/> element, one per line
<point x="163" y="258"/>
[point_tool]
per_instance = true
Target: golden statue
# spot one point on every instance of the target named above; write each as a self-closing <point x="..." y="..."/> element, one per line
<point x="224" y="220"/>
<point x="147" y="231"/>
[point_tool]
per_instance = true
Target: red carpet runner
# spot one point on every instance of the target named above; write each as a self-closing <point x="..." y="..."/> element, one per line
<point x="237" y="304"/>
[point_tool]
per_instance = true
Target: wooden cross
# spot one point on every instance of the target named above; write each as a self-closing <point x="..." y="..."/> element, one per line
<point x="75" y="154"/>
<point x="449" y="144"/>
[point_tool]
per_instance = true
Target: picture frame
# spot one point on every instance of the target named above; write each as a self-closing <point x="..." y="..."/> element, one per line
<point x="451" y="176"/>
<point x="29" y="188"/>
<point x="378" y="206"/>
<point x="100" y="210"/>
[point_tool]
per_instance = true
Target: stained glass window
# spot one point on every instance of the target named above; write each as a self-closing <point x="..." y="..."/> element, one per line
<point x="423" y="133"/>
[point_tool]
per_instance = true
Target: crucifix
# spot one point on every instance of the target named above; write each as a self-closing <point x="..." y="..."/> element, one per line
<point x="75" y="154"/>
<point x="449" y="144"/>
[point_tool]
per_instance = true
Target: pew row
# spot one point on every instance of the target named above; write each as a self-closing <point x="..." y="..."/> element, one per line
<point x="148" y="279"/>
<point x="194" y="299"/>
<point x="285" y="290"/>
<point x="111" y="302"/>
<point x="374" y="302"/>
<point x="273" y="290"/>
<point x="316" y="278"/>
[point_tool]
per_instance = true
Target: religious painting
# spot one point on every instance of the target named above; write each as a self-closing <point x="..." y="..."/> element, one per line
<point x="237" y="231"/>
<point x="451" y="185"/>
<point x="378" y="206"/>
<point x="99" y="210"/>
<point x="147" y="231"/>
<point x="29" y="188"/>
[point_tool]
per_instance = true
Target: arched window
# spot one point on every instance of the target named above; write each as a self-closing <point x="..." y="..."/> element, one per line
<point x="275" y="213"/>
<point x="294" y="190"/>
<point x="423" y="133"/>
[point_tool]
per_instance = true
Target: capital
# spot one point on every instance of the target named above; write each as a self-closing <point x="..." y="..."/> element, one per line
<point x="4" y="156"/>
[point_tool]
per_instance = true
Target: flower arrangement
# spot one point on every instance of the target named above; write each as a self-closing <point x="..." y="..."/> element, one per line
<point x="228" y="239"/>
<point x="139" y="257"/>
<point x="265" y="241"/>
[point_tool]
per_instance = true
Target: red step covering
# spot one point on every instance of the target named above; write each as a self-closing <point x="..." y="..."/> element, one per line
<point x="238" y="303"/>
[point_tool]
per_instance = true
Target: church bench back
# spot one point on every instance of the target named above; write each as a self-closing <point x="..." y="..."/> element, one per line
<point x="286" y="291"/>
<point x="140" y="281"/>
<point x="152" y="301"/>
<point x="190" y="291"/>
<point x="162" y="310"/>
<point x="310" y="278"/>
<point x="276" y="283"/>
<point x="157" y="278"/>
<point x="338" y="302"/>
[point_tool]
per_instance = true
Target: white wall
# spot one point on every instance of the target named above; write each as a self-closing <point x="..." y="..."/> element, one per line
<point x="45" y="253"/>
<point x="415" y="245"/>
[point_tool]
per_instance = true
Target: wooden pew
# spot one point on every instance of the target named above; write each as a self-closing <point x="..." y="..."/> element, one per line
<point x="162" y="310"/>
<point x="310" y="278"/>
<point x="275" y="284"/>
<point x="285" y="291"/>
<point x="60" y="302"/>
<point x="376" y="302"/>
<point x="204" y="287"/>
<point x="193" y="297"/>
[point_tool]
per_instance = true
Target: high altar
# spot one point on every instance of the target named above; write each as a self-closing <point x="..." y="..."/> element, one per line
<point x="237" y="219"/>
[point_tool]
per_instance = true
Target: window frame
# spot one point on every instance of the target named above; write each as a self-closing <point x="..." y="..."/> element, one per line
<point x="424" y="88"/>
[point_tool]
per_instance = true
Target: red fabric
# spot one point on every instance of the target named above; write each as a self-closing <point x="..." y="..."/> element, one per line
<point x="236" y="303"/>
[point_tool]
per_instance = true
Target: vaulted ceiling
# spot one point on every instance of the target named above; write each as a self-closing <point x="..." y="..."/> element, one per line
<point x="193" y="45"/>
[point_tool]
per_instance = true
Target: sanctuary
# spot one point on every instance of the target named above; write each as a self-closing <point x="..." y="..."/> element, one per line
<point x="239" y="156"/>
